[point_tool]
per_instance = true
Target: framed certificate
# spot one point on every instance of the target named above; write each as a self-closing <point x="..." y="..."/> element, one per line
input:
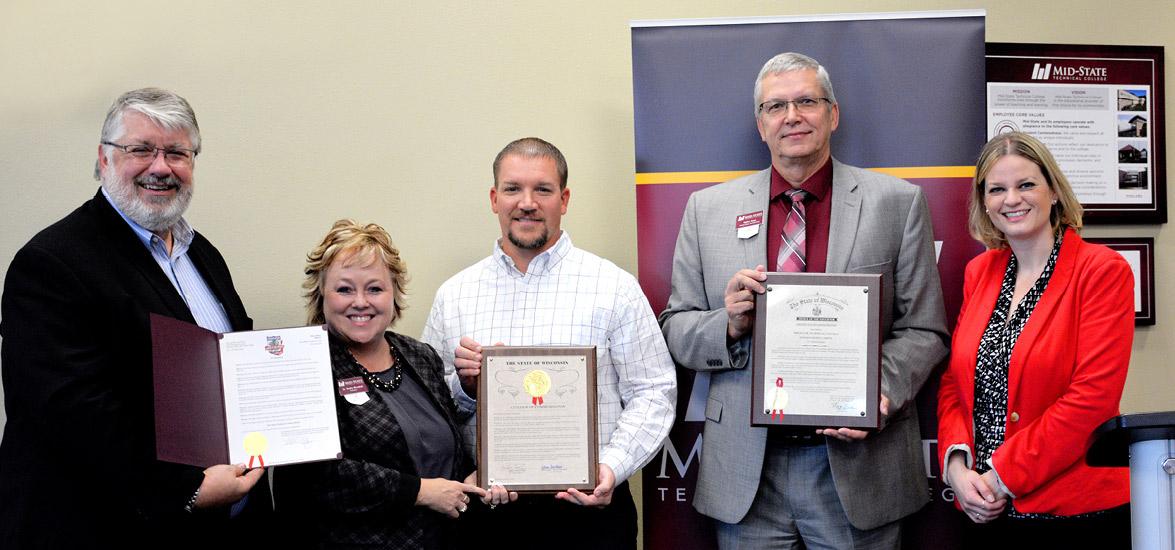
<point x="536" y="418"/>
<point x="817" y="351"/>
<point x="1140" y="254"/>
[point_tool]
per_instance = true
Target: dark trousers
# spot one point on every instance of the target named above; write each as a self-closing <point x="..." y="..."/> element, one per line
<point x="540" y="521"/>
<point x="1107" y="531"/>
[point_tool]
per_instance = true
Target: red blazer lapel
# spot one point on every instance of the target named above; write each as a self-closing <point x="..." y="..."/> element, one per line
<point x="980" y="307"/>
<point x="1046" y="308"/>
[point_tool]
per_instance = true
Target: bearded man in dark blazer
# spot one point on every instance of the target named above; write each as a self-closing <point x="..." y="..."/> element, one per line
<point x="77" y="462"/>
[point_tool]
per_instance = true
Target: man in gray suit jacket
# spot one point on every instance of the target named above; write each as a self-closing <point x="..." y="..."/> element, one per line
<point x="819" y="488"/>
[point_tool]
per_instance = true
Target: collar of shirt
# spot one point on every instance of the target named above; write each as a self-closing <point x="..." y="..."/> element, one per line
<point x="201" y="300"/>
<point x="541" y="264"/>
<point x="817" y="185"/>
<point x="181" y="234"/>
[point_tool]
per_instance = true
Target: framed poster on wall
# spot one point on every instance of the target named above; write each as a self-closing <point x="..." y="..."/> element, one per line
<point x="1099" y="109"/>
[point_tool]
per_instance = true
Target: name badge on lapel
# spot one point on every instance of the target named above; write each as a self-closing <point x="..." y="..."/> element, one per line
<point x="354" y="390"/>
<point x="747" y="225"/>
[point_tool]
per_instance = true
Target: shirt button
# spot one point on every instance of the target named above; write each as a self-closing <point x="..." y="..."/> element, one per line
<point x="1015" y="417"/>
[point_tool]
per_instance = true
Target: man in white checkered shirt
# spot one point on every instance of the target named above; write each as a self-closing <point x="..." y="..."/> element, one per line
<point x="538" y="289"/>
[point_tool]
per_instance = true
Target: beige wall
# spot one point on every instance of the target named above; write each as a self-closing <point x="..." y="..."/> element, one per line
<point x="392" y="111"/>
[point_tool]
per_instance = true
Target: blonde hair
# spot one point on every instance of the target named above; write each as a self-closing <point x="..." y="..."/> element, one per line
<point x="350" y="241"/>
<point x="1065" y="213"/>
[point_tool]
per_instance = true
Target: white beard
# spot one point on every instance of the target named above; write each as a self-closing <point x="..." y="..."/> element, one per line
<point x="155" y="214"/>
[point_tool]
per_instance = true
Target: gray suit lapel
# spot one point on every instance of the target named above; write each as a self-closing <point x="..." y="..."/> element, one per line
<point x="757" y="198"/>
<point x="846" y="214"/>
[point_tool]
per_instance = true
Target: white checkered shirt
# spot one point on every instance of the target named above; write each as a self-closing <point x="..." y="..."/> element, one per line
<point x="569" y="297"/>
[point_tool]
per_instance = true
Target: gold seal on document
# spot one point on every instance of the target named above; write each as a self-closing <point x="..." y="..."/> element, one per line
<point x="536" y="383"/>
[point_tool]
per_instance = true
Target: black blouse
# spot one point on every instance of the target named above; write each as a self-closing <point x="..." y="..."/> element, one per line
<point x="430" y="442"/>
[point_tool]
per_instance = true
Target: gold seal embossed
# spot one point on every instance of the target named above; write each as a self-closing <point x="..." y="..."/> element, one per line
<point x="256" y="444"/>
<point x="536" y="383"/>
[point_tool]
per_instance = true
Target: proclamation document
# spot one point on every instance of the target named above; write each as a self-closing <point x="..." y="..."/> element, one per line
<point x="816" y="351"/>
<point x="260" y="398"/>
<point x="536" y="414"/>
<point x="279" y="396"/>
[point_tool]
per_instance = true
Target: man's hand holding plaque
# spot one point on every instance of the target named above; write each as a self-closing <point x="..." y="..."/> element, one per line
<point x="467" y="360"/>
<point x="849" y="435"/>
<point x="739" y="299"/>
<point x="600" y="497"/>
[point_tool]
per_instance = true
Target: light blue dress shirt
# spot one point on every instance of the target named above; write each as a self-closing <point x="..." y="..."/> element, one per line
<point x="201" y="301"/>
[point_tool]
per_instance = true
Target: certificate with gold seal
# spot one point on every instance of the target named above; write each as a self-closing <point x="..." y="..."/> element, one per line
<point x="817" y="349"/>
<point x="536" y="418"/>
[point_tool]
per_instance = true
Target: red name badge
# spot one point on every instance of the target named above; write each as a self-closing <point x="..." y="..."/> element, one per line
<point x="747" y="220"/>
<point x="747" y="225"/>
<point x="348" y="386"/>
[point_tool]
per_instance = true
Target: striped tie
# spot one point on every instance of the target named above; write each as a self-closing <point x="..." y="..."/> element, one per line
<point x="792" y="251"/>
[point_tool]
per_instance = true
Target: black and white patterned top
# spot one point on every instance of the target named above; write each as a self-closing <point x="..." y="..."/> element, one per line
<point x="994" y="355"/>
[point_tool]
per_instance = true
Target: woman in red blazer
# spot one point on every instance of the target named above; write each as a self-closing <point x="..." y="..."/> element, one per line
<point x="1038" y="360"/>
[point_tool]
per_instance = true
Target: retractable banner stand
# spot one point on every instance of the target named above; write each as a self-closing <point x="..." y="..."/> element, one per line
<point x="912" y="104"/>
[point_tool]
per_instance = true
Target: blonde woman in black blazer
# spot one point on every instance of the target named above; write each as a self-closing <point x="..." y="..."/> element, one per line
<point x="405" y="478"/>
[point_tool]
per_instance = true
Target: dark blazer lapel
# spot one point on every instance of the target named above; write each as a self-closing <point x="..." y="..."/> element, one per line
<point x="368" y="417"/>
<point x="388" y="445"/>
<point x="123" y="242"/>
<point x="846" y="215"/>
<point x="375" y="413"/>
<point x="201" y="255"/>
<point x="433" y="386"/>
<point x="757" y="198"/>
<point x="1045" y="309"/>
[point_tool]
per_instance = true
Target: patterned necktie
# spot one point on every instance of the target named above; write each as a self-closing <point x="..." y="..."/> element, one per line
<point x="792" y="251"/>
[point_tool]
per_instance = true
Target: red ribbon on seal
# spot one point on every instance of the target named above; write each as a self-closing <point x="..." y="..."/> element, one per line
<point x="777" y="414"/>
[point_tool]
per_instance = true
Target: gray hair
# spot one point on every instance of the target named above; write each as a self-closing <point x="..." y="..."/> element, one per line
<point x="163" y="107"/>
<point x="533" y="147"/>
<point x="790" y="61"/>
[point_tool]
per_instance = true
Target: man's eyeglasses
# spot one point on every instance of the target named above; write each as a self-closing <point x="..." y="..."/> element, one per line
<point x="174" y="156"/>
<point x="777" y="107"/>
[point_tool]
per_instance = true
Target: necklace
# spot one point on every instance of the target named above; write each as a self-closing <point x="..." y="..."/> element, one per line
<point x="397" y="374"/>
<point x="372" y="379"/>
